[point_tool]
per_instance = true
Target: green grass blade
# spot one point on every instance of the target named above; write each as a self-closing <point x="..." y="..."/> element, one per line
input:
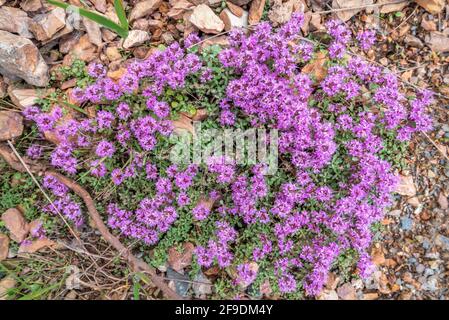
<point x="118" y="5"/>
<point x="105" y="22"/>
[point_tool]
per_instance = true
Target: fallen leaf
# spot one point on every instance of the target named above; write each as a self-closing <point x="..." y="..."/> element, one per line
<point x="36" y="245"/>
<point x="432" y="6"/>
<point x="347" y="292"/>
<point x="406" y="186"/>
<point x="316" y="68"/>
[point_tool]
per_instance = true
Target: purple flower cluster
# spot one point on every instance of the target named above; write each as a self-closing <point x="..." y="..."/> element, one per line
<point x="218" y="249"/>
<point x="269" y="90"/>
<point x="63" y="203"/>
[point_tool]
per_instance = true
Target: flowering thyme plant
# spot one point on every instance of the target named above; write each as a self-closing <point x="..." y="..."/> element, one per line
<point x="335" y="171"/>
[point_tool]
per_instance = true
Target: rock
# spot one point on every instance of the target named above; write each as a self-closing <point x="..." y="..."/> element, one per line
<point x="26" y="97"/>
<point x="388" y="7"/>
<point x="19" y="57"/>
<point x="4" y="246"/>
<point x="113" y="53"/>
<point x="179" y="7"/>
<point x="428" y="25"/>
<point x="6" y="284"/>
<point x="315" y="22"/>
<point x="36" y="245"/>
<point x="413" y="41"/>
<point x="256" y="11"/>
<point x="44" y="26"/>
<point x="432" y="6"/>
<point x="135" y="38"/>
<point x="16" y="224"/>
<point x="281" y="12"/>
<point x="144" y="8"/>
<point x="179" y="282"/>
<point x="438" y="41"/>
<point x="442" y="201"/>
<point x="236" y="10"/>
<point x="240" y="2"/>
<point x="16" y="21"/>
<point x="3" y="88"/>
<point x="406" y="186"/>
<point x="328" y="295"/>
<point x="93" y="31"/>
<point x="348" y="14"/>
<point x="202" y="286"/>
<point x="231" y="21"/>
<point x="206" y="20"/>
<point x="180" y="260"/>
<point x="347" y="292"/>
<point x="11" y="125"/>
<point x="100" y="5"/>
<point x="31" y="5"/>
<point x="442" y="242"/>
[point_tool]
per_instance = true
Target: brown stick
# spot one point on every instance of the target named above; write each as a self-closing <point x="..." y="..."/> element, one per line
<point x="136" y="264"/>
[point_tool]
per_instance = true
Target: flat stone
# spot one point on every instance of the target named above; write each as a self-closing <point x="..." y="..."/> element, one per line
<point x="16" y="224"/>
<point x="206" y="20"/>
<point x="11" y="125"/>
<point x="16" y="21"/>
<point x="31" y="5"/>
<point x="136" y="38"/>
<point x="19" y="57"/>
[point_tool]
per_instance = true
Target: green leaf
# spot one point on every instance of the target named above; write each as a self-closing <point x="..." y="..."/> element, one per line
<point x="105" y="22"/>
<point x="118" y="5"/>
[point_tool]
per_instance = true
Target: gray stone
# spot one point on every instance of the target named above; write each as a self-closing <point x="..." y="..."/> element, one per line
<point x="406" y="224"/>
